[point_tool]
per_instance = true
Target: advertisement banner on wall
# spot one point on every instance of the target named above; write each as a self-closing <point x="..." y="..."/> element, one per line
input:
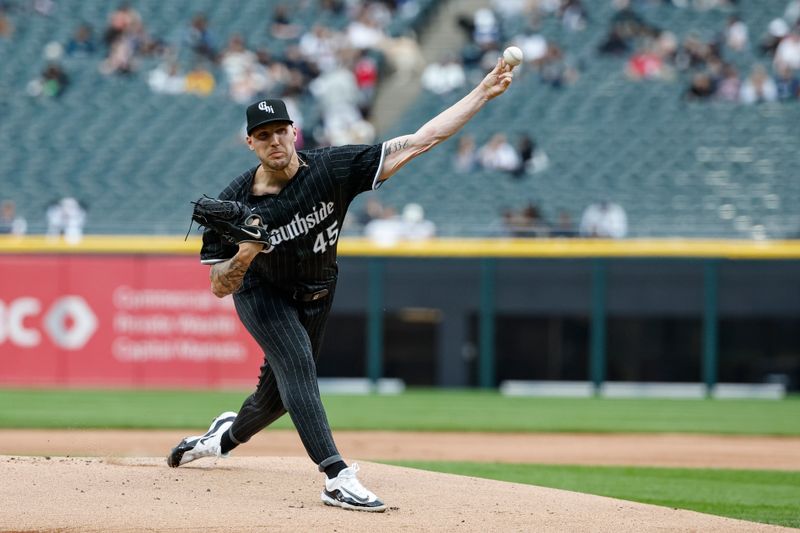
<point x="119" y="321"/>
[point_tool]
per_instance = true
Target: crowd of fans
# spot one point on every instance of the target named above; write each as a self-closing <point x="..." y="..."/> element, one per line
<point x="602" y="219"/>
<point x="339" y="67"/>
<point x="382" y="225"/>
<point x="334" y="67"/>
<point x="499" y="154"/>
<point x="11" y="223"/>
<point x="65" y="219"/>
<point x="710" y="64"/>
<point x="651" y="53"/>
<point x="487" y="34"/>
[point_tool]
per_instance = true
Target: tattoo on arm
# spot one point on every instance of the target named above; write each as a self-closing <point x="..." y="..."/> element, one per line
<point x="226" y="277"/>
<point x="395" y="145"/>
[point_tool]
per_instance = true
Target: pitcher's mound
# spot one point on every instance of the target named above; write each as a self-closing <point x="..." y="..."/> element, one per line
<point x="282" y="494"/>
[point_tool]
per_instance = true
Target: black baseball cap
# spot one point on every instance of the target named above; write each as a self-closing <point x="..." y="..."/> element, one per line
<point x="266" y="111"/>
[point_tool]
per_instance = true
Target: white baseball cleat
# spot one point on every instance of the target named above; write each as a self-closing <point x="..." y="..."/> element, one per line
<point x="207" y="445"/>
<point x="347" y="492"/>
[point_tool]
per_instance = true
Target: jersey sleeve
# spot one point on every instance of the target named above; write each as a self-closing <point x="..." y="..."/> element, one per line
<point x="214" y="249"/>
<point x="358" y="167"/>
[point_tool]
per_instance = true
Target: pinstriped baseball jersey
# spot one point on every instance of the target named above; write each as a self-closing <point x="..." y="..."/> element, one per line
<point x="305" y="218"/>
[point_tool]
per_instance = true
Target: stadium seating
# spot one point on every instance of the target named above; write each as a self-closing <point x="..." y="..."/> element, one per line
<point x="137" y="158"/>
<point x="133" y="157"/>
<point x="678" y="168"/>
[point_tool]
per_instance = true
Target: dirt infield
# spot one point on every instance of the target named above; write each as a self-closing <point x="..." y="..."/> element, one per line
<point x="118" y="481"/>
<point x="282" y="494"/>
<point x="673" y="450"/>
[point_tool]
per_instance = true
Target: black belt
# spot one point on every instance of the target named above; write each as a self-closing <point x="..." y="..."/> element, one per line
<point x="310" y="296"/>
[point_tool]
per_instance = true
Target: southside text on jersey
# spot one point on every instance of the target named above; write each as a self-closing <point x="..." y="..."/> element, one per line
<point x="301" y="225"/>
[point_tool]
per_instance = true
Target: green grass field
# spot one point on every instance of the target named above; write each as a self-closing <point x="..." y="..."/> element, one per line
<point x="772" y="497"/>
<point x="755" y="495"/>
<point x="420" y="410"/>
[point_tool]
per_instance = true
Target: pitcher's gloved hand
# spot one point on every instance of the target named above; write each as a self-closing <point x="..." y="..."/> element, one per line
<point x="233" y="221"/>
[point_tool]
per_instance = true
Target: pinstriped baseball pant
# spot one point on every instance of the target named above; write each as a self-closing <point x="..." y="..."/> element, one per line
<point x="290" y="334"/>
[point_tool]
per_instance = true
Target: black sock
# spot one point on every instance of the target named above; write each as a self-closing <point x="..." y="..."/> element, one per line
<point x="332" y="470"/>
<point x="226" y="444"/>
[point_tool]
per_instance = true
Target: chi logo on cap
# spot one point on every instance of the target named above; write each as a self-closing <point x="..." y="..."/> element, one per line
<point x="264" y="107"/>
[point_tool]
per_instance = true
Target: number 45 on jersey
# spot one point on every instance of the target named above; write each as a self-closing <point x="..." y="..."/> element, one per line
<point x="326" y="238"/>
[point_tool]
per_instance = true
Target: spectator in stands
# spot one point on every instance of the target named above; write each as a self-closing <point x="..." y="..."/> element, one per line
<point x="199" y="80"/>
<point x="51" y="83"/>
<point x="10" y="222"/>
<point x="788" y="52"/>
<point x="629" y="25"/>
<point x="366" y="73"/>
<point x="526" y="147"/>
<point x="282" y="26"/>
<point x="122" y="21"/>
<point x="787" y="84"/>
<point x="695" y="54"/>
<point x="498" y="154"/>
<point x="415" y="226"/>
<point x="364" y="32"/>
<point x="6" y="27"/>
<point x="736" y="34"/>
<point x="532" y="44"/>
<point x="54" y="218"/>
<point x="54" y="80"/>
<point x="337" y="93"/>
<point x="444" y="77"/>
<point x="387" y="230"/>
<point x="199" y="37"/>
<point x="390" y="229"/>
<point x="251" y="82"/>
<point x="485" y="29"/>
<point x="604" y="219"/>
<point x="321" y="45"/>
<point x="81" y="44"/>
<point x="301" y="69"/>
<point x="74" y="218"/>
<point x="66" y="217"/>
<point x="758" y="87"/>
<point x="121" y="55"/>
<point x="776" y="31"/>
<point x="701" y="87"/>
<point x="572" y="14"/>
<point x="667" y="47"/>
<point x="235" y="59"/>
<point x="614" y="44"/>
<point x="556" y="70"/>
<point x="373" y="210"/>
<point x="645" y="64"/>
<point x="382" y="11"/>
<point x="527" y="222"/>
<point x="465" y="159"/>
<point x="167" y="79"/>
<point x="729" y="85"/>
<point x="539" y="160"/>
<point x="126" y="37"/>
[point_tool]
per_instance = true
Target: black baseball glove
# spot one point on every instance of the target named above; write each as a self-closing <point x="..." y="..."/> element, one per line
<point x="233" y="221"/>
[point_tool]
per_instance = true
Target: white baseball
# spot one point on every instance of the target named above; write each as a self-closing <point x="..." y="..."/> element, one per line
<point x="512" y="56"/>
